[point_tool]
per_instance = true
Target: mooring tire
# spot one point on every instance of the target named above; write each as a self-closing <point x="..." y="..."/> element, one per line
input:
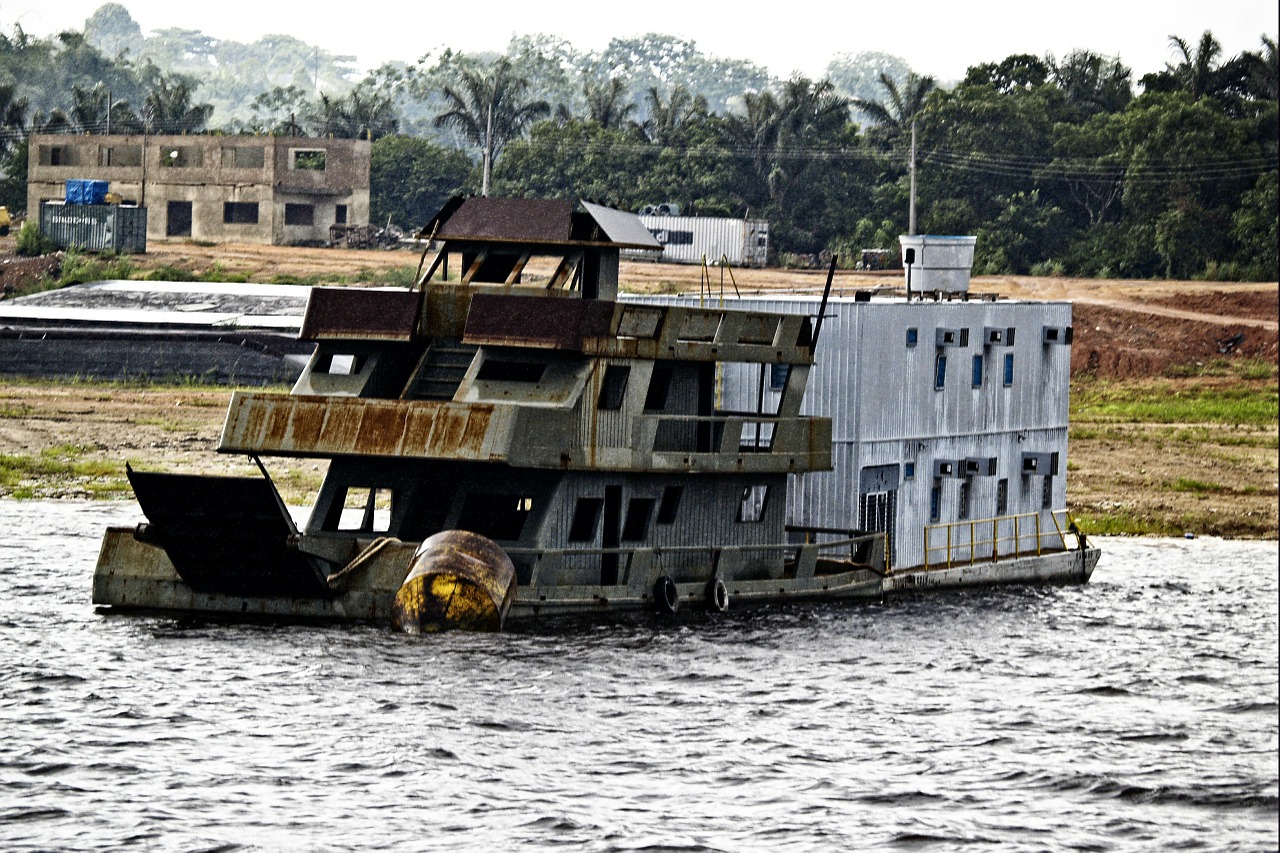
<point x="666" y="597"/>
<point x="717" y="596"/>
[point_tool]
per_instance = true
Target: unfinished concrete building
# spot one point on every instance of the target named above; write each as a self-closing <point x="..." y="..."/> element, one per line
<point x="245" y="189"/>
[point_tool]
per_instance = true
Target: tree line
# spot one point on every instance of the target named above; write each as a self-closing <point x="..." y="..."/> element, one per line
<point x="1059" y="165"/>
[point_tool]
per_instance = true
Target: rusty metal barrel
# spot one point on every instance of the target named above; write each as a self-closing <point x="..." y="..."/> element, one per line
<point x="457" y="580"/>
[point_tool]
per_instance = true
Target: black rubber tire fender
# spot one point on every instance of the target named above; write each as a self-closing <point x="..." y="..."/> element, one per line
<point x="666" y="596"/>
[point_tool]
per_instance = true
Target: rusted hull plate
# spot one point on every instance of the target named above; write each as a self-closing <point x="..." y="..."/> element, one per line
<point x="534" y="321"/>
<point x="297" y="425"/>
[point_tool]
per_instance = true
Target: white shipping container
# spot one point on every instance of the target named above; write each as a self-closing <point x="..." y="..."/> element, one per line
<point x="690" y="239"/>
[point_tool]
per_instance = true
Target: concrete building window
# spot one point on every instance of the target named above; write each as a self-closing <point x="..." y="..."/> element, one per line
<point x="340" y="214"/>
<point x="240" y="212"/>
<point x="299" y="214"/>
<point x="251" y="157"/>
<point x="1008" y="369"/>
<point x="182" y="157"/>
<point x="754" y="499"/>
<point x="120" y="155"/>
<point x="1002" y="497"/>
<point x="308" y="160"/>
<point x="977" y="371"/>
<point x="940" y="372"/>
<point x="178" y="219"/>
<point x="614" y="388"/>
<point x="59" y="155"/>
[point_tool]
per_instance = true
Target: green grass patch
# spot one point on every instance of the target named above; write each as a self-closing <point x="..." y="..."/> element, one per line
<point x="1123" y="523"/>
<point x="63" y="462"/>
<point x="1186" y="484"/>
<point x="78" y="268"/>
<point x="1172" y="402"/>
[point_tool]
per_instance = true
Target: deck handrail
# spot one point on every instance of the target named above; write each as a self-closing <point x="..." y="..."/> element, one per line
<point x="986" y="532"/>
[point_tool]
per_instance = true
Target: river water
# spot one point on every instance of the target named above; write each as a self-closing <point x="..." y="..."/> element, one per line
<point x="1138" y="712"/>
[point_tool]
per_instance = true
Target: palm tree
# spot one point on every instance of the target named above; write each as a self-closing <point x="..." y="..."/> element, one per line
<point x="901" y="106"/>
<point x="1196" y="69"/>
<point x="605" y="101"/>
<point x="667" y="119"/>
<point x="168" y="107"/>
<point x="489" y="108"/>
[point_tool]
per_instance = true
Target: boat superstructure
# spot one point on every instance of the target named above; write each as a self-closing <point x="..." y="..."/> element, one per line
<point x="507" y="440"/>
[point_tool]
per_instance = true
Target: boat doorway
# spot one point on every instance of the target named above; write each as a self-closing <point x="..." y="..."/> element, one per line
<point x="611" y="537"/>
<point x="878" y="504"/>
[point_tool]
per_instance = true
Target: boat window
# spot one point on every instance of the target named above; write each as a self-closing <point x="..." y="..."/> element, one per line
<point x="751" y="508"/>
<point x="964" y="499"/>
<point x="977" y="371"/>
<point x="935" y="502"/>
<point x="613" y="389"/>
<point x="365" y="509"/>
<point x="339" y="364"/>
<point x="913" y="337"/>
<point x="497" y="370"/>
<point x="494" y="515"/>
<point x="940" y="372"/>
<point x="1008" y="369"/>
<point x="1002" y="497"/>
<point x="670" y="504"/>
<point x="1046" y="501"/>
<point x="586" y="515"/>
<point x="908" y="470"/>
<point x="778" y="374"/>
<point x="636" y="526"/>
<point x="659" y="387"/>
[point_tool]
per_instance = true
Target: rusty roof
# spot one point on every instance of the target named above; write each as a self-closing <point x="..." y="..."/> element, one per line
<point x="544" y="221"/>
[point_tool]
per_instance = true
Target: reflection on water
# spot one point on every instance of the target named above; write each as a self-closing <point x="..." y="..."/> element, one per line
<point x="1137" y="712"/>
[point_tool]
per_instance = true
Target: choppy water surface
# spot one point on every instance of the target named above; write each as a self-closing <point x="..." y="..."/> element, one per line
<point x="1138" y="712"/>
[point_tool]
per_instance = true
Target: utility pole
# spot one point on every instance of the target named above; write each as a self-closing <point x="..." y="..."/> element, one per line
<point x="488" y="153"/>
<point x="911" y="215"/>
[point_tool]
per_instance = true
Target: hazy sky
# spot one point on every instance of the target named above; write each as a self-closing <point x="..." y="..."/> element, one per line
<point x="794" y="35"/>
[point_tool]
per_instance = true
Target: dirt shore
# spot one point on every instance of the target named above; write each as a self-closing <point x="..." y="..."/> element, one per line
<point x="1127" y="472"/>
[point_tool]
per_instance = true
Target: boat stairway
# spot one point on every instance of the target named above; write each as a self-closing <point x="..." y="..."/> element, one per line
<point x="441" y="371"/>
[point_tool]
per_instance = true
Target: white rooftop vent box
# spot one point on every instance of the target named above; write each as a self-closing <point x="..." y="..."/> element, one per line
<point x="940" y="264"/>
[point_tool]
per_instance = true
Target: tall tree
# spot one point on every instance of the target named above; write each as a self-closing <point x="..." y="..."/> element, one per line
<point x="900" y="106"/>
<point x="489" y="106"/>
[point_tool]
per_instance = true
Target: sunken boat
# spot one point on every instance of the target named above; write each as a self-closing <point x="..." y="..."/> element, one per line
<point x="509" y="440"/>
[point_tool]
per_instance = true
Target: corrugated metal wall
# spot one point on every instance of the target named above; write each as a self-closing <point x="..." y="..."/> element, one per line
<point x="95" y="227"/>
<point x="880" y="394"/>
<point x="688" y="239"/>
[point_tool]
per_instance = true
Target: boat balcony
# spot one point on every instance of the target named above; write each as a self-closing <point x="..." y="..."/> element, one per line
<point x="328" y="426"/>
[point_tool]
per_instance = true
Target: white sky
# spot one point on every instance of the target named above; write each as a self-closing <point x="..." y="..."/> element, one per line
<point x="785" y="37"/>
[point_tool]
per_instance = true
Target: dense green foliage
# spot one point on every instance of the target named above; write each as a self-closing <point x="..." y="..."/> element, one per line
<point x="1058" y="165"/>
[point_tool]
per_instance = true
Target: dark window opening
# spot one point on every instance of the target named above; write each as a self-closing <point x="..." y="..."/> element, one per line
<point x="240" y="212"/>
<point x="913" y="337"/>
<point x="908" y="470"/>
<point x="659" y="386"/>
<point x="124" y="155"/>
<point x="636" y="525"/>
<point x="963" y="512"/>
<point x="1046" y="501"/>
<point x="299" y="214"/>
<point x="1008" y="369"/>
<point x="340" y="214"/>
<point x="613" y="390"/>
<point x="977" y="371"/>
<point x="940" y="372"/>
<point x="309" y="160"/>
<point x="496" y="370"/>
<point x="935" y="502"/>
<point x="670" y="504"/>
<point x="182" y="157"/>
<point x="752" y="506"/>
<point x="496" y="516"/>
<point x="1002" y="497"/>
<point x="178" y="219"/>
<point x="586" y="515"/>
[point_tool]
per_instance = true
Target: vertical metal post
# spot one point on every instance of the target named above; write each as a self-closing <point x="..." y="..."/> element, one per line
<point x="911" y="215"/>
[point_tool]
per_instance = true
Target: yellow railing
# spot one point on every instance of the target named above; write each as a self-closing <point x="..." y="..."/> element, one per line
<point x="993" y="539"/>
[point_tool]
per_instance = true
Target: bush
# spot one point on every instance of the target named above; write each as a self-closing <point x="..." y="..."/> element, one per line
<point x="31" y="241"/>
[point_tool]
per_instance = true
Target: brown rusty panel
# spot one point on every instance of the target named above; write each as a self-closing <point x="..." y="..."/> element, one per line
<point x="535" y="321"/>
<point x="524" y="220"/>
<point x="380" y="427"/>
<point x="329" y="426"/>
<point x="352" y="313"/>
